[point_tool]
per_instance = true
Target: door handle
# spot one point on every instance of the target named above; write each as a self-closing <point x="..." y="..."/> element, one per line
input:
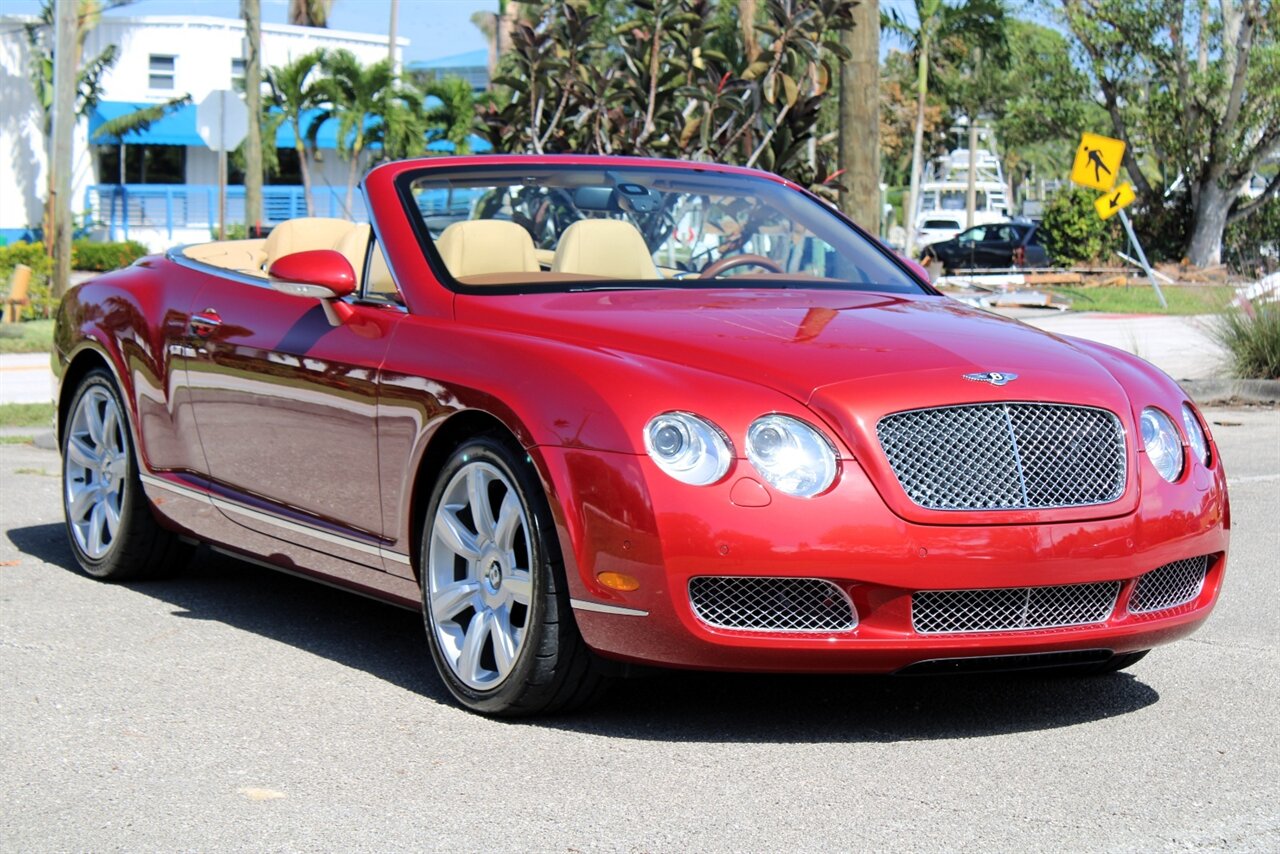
<point x="204" y="323"/>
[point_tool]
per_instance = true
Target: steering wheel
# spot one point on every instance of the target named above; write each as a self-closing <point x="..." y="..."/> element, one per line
<point x="715" y="268"/>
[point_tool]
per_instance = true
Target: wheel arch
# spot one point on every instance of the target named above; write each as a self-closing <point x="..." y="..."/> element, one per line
<point x="446" y="438"/>
<point x="79" y="365"/>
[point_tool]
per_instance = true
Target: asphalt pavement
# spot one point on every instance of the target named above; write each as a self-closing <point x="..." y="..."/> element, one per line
<point x="237" y="709"/>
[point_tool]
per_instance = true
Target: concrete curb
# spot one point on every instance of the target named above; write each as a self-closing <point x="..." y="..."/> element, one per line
<point x="1216" y="391"/>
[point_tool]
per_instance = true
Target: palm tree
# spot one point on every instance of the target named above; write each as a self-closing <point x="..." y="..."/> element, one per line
<point x="310" y="13"/>
<point x="371" y="108"/>
<point x="40" y="36"/>
<point x="297" y="88"/>
<point x="975" y="21"/>
<point x="453" y="119"/>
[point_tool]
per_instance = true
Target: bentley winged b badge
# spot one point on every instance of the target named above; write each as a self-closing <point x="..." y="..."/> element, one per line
<point x="994" y="377"/>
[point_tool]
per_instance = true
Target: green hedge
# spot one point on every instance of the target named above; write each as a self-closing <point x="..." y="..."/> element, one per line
<point x="85" y="255"/>
<point x="101" y="257"/>
<point x="31" y="254"/>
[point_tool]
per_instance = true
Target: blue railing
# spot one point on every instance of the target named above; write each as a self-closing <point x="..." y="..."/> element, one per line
<point x="120" y="207"/>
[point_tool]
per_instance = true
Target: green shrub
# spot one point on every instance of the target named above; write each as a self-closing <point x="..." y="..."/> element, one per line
<point x="1252" y="336"/>
<point x="101" y="257"/>
<point x="1074" y="234"/>
<point x="31" y="254"/>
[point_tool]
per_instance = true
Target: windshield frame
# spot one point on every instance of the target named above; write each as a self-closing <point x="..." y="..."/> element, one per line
<point x="404" y="183"/>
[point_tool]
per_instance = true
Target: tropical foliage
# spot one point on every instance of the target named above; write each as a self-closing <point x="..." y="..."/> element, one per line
<point x="674" y="78"/>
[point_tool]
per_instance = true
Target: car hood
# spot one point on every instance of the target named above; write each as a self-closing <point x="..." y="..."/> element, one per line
<point x="905" y="351"/>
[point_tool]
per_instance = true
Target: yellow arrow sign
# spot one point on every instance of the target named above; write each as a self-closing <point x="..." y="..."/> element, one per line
<point x="1097" y="162"/>
<point x="1114" y="201"/>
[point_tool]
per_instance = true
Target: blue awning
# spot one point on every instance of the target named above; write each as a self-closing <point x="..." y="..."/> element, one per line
<point x="178" y="127"/>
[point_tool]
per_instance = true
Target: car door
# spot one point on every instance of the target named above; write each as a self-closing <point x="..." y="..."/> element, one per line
<point x="995" y="249"/>
<point x="967" y="242"/>
<point x="285" y="404"/>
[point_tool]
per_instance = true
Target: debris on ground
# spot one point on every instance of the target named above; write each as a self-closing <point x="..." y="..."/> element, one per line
<point x="1265" y="290"/>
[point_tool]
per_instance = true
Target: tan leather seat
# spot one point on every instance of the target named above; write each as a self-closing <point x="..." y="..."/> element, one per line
<point x="480" y="246"/>
<point x="302" y="234"/>
<point x="605" y="248"/>
<point x="354" y="245"/>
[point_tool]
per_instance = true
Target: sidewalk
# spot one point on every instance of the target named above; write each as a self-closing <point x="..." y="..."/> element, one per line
<point x="26" y="378"/>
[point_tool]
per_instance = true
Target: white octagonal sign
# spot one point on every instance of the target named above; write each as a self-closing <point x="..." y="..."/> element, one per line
<point x="222" y="119"/>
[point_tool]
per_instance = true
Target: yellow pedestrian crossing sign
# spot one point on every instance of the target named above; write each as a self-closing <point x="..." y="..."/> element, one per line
<point x="1114" y="201"/>
<point x="1097" y="162"/>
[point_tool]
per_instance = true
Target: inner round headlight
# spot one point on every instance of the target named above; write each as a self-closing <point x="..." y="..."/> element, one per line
<point x="1164" y="448"/>
<point x="689" y="448"/>
<point x="792" y="456"/>
<point x="1195" y="434"/>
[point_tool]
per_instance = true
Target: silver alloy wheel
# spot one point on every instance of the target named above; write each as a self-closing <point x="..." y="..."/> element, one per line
<point x="480" y="575"/>
<point x="96" y="469"/>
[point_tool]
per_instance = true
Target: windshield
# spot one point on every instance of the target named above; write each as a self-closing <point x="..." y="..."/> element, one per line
<point x="537" y="227"/>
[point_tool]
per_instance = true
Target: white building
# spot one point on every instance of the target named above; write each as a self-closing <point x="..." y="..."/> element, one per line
<point x="159" y="58"/>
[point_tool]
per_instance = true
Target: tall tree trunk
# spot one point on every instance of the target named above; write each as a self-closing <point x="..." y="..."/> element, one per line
<point x="1210" y="220"/>
<point x="353" y="175"/>
<point x="251" y="9"/>
<point x="66" y="68"/>
<point x="301" y="147"/>
<point x="917" y="146"/>
<point x="860" y="117"/>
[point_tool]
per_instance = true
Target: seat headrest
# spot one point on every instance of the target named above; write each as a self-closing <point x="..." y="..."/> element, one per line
<point x="608" y="248"/>
<point x="302" y="234"/>
<point x="479" y="246"/>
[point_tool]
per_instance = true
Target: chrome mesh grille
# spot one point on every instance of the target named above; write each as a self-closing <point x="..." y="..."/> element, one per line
<point x="771" y="604"/>
<point x="1006" y="456"/>
<point x="1005" y="609"/>
<point x="1169" y="586"/>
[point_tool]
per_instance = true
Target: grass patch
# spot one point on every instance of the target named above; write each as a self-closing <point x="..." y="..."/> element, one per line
<point x="26" y="414"/>
<point x="1141" y="299"/>
<point x="32" y="336"/>
<point x="17" y="440"/>
<point x="1252" y="339"/>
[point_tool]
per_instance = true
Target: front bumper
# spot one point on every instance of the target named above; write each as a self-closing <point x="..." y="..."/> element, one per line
<point x="617" y="513"/>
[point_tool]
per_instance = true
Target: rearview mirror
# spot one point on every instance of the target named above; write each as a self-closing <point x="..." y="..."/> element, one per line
<point x="323" y="274"/>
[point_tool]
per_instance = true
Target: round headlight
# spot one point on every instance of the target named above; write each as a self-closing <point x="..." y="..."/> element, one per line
<point x="1164" y="448"/>
<point x="791" y="455"/>
<point x="689" y="448"/>
<point x="1195" y="434"/>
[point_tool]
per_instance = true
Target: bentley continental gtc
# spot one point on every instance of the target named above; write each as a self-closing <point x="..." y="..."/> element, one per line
<point x="588" y="412"/>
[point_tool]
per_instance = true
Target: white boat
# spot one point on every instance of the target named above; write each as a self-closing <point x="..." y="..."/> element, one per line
<point x="940" y="210"/>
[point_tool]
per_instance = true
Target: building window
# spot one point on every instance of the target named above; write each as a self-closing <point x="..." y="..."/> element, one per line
<point x="162" y="68"/>
<point x="143" y="164"/>
<point x="237" y="74"/>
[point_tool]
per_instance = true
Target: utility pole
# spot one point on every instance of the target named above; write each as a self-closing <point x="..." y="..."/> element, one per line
<point x="971" y="193"/>
<point x="860" y="118"/>
<point x="252" y="12"/>
<point x="391" y="35"/>
<point x="64" y="123"/>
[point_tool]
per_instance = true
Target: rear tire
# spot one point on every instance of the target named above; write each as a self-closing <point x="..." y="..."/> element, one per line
<point x="494" y="599"/>
<point x="112" y="532"/>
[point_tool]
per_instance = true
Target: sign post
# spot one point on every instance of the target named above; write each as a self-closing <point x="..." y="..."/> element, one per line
<point x="222" y="120"/>
<point x="1097" y="165"/>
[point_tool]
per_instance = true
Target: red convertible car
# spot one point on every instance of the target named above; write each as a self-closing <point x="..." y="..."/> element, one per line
<point x="588" y="411"/>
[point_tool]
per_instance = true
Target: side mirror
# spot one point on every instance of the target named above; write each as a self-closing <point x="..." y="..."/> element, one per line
<point x="323" y="274"/>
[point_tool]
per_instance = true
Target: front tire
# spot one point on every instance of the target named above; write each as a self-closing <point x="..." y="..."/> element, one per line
<point x="496" y="609"/>
<point x="112" y="532"/>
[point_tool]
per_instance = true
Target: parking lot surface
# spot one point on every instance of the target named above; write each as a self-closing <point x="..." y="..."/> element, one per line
<point x="234" y="708"/>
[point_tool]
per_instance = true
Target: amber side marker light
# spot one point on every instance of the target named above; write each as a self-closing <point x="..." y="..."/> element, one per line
<point x="618" y="581"/>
